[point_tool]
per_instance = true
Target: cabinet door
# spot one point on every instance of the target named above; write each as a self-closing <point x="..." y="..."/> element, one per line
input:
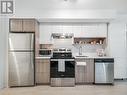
<point x="89" y="75"/>
<point x="16" y="25"/>
<point x="42" y="71"/>
<point x="28" y="25"/>
<point x="85" y="73"/>
<point x="80" y="74"/>
<point x="42" y="78"/>
<point x="42" y="65"/>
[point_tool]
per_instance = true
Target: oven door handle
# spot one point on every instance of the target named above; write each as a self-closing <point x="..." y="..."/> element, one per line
<point x="62" y="75"/>
<point x="69" y="59"/>
<point x="54" y="59"/>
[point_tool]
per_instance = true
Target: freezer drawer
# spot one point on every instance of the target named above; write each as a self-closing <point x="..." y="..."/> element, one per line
<point x="21" y="69"/>
<point x="21" y="41"/>
<point x="104" y="72"/>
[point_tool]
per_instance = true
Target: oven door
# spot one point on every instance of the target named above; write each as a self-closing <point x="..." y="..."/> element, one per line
<point x="69" y="69"/>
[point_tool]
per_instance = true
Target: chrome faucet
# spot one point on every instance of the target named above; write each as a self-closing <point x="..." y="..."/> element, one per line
<point x="80" y="50"/>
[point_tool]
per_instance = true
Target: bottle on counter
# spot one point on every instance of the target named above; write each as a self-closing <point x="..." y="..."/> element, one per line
<point x="100" y="52"/>
<point x="100" y="42"/>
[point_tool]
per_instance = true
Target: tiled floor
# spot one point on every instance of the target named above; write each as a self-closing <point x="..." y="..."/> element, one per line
<point x="120" y="88"/>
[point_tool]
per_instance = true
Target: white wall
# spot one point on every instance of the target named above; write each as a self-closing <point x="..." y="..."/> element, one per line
<point x="72" y="4"/>
<point x="3" y="50"/>
<point x="118" y="46"/>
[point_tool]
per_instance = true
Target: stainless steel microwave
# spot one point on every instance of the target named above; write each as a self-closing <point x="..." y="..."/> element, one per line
<point x="45" y="52"/>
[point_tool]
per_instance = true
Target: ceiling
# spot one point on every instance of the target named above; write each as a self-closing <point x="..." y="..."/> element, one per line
<point x="119" y="5"/>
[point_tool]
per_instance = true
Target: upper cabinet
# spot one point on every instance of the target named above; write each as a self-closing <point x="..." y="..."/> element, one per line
<point x="22" y="25"/>
<point x="16" y="25"/>
<point x="91" y="30"/>
<point x="29" y="25"/>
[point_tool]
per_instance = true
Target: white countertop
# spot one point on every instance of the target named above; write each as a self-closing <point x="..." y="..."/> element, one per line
<point x="93" y="57"/>
<point x="42" y="57"/>
<point x="89" y="55"/>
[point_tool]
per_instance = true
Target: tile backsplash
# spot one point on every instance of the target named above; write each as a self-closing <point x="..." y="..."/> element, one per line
<point x="86" y="49"/>
<point x="62" y="43"/>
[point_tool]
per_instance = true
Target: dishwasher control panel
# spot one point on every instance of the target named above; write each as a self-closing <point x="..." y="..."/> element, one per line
<point x="107" y="60"/>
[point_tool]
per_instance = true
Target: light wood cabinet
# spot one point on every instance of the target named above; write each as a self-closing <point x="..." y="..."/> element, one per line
<point x="42" y="71"/>
<point x="84" y="73"/>
<point x="42" y="78"/>
<point x="29" y="25"/>
<point x="22" y="25"/>
<point x="16" y="25"/>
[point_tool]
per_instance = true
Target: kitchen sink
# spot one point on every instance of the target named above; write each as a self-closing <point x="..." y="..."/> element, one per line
<point x="82" y="56"/>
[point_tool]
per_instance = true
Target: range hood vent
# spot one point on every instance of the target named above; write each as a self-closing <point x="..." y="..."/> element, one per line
<point x="62" y="35"/>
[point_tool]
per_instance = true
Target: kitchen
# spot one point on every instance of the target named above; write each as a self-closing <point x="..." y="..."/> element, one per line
<point x="57" y="35"/>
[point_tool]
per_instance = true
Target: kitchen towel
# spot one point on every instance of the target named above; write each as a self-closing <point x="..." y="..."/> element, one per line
<point x="61" y="65"/>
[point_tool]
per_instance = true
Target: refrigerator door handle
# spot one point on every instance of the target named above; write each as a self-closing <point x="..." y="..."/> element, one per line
<point x="32" y="60"/>
<point x="32" y="42"/>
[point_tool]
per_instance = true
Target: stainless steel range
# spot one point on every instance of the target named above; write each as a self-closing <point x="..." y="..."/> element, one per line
<point x="62" y="68"/>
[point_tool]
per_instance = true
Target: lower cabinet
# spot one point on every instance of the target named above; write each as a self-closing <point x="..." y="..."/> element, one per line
<point x="42" y="74"/>
<point x="62" y="82"/>
<point x="84" y="73"/>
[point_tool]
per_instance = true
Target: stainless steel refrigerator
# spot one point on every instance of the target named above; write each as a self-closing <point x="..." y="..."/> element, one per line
<point x="21" y="59"/>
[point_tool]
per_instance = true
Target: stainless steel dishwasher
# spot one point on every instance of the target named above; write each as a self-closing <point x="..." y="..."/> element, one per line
<point x="104" y="71"/>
